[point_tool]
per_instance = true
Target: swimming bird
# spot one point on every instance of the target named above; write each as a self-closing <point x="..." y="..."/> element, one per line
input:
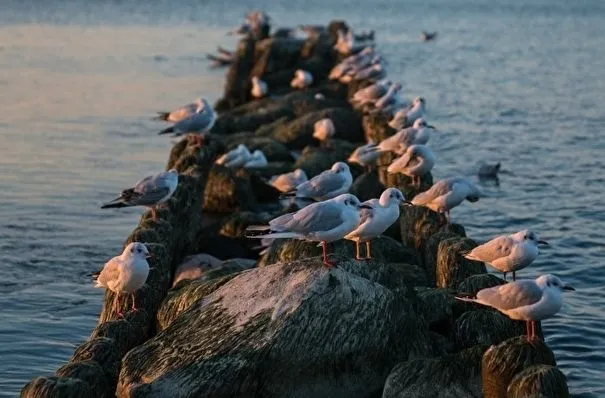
<point x="236" y="157"/>
<point x="426" y="36"/>
<point x="365" y="155"/>
<point x="328" y="184"/>
<point x="257" y="160"/>
<point x="201" y="121"/>
<point x="323" y="130"/>
<point x="487" y="171"/>
<point x="508" y="253"/>
<point x="259" y="87"/>
<point x="301" y="79"/>
<point x="149" y="191"/>
<point x="417" y="161"/>
<point x="377" y="218"/>
<point x="399" y="142"/>
<point x="322" y="222"/>
<point x="408" y="115"/>
<point x="448" y="193"/>
<point x="288" y="181"/>
<point x="528" y="300"/>
<point x="126" y="273"/>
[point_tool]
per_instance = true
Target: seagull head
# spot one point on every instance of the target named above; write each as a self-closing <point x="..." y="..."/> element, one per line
<point x="351" y="202"/>
<point x="340" y="168"/>
<point x="551" y="282"/>
<point x="418" y="101"/>
<point x="392" y="196"/>
<point x="137" y="249"/>
<point x="530" y="236"/>
<point x="421" y="123"/>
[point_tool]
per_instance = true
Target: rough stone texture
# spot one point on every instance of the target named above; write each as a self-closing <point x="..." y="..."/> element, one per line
<point x="299" y="133"/>
<point x="227" y="191"/>
<point x="417" y="224"/>
<point x="452" y="267"/>
<point x="502" y="362"/>
<point x="87" y="371"/>
<point x="237" y="88"/>
<point x="439" y="308"/>
<point x="456" y="375"/>
<point x="314" y="160"/>
<point x="485" y="327"/>
<point x="236" y="224"/>
<point x="474" y="283"/>
<point x="367" y="186"/>
<point x="384" y="249"/>
<point x="538" y="381"/>
<point x="431" y="250"/>
<point x="286" y="330"/>
<point x="53" y="386"/>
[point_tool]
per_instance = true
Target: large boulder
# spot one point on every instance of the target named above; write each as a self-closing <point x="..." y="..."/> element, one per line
<point x="286" y="330"/>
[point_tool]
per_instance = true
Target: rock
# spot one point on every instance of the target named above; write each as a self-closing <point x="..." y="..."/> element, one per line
<point x="299" y="133"/>
<point x="195" y="266"/>
<point x="228" y="192"/>
<point x="384" y="249"/>
<point x="54" y="386"/>
<point x="431" y="250"/>
<point x="315" y="160"/>
<point x="417" y="225"/>
<point x="502" y="362"/>
<point x="104" y="351"/>
<point x="367" y="186"/>
<point x="452" y="267"/>
<point x="90" y="372"/>
<point x="437" y="307"/>
<point x="456" y="375"/>
<point x="485" y="327"/>
<point x="237" y="87"/>
<point x="286" y="330"/>
<point x="471" y="285"/>
<point x="538" y="381"/>
<point x="235" y="226"/>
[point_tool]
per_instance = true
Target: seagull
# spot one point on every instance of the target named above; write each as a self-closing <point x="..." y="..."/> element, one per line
<point x="407" y="116"/>
<point x="301" y="79"/>
<point x="373" y="72"/>
<point x="417" y="161"/>
<point x="150" y="191"/>
<point x="259" y="87"/>
<point x="508" y="253"/>
<point x="399" y="142"/>
<point x="344" y="43"/>
<point x="365" y="155"/>
<point x="181" y="113"/>
<point x="323" y="130"/>
<point x="125" y="273"/>
<point x="289" y="181"/>
<point x="322" y="222"/>
<point x="361" y="58"/>
<point x="389" y="98"/>
<point x="326" y="185"/>
<point x="257" y="160"/>
<point x="448" y="193"/>
<point x="377" y="218"/>
<point x="371" y="93"/>
<point x="525" y="300"/>
<point x="201" y="121"/>
<point x="487" y="171"/>
<point x="235" y="158"/>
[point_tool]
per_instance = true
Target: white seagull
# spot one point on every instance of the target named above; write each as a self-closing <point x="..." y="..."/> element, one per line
<point x="125" y="273"/>
<point x="257" y="160"/>
<point x="323" y="222"/>
<point x="526" y="300"/>
<point x="326" y="185"/>
<point x="235" y="158"/>
<point x="323" y="130"/>
<point x="365" y="155"/>
<point x="301" y="79"/>
<point x="448" y="193"/>
<point x="288" y="181"/>
<point x="417" y="161"/>
<point x="376" y="219"/>
<point x="149" y="191"/>
<point x="407" y="116"/>
<point x="181" y="113"/>
<point x="259" y="87"/>
<point x="371" y="93"/>
<point x="508" y="253"/>
<point x="399" y="142"/>
<point x="201" y="121"/>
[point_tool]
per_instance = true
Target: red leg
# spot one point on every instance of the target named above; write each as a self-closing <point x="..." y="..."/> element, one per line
<point x="120" y="315"/>
<point x="134" y="303"/>
<point x="327" y="262"/>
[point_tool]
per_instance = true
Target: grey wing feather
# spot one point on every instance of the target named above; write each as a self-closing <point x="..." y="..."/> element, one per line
<point x="151" y="189"/>
<point x="494" y="249"/>
<point x="321" y="184"/>
<point x="322" y="216"/>
<point x="512" y="295"/>
<point x="439" y="188"/>
<point x="110" y="272"/>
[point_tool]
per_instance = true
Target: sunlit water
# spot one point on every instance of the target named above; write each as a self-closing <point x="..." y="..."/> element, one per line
<point x="518" y="82"/>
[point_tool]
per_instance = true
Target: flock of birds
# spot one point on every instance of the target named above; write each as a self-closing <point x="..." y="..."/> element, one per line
<point x="335" y="214"/>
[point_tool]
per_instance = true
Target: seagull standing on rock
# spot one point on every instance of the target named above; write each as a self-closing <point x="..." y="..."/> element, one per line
<point x="259" y="88"/>
<point x="301" y="79"/>
<point x="322" y="222"/>
<point x="419" y="133"/>
<point x="235" y="158"/>
<point x="508" y="253"/>
<point x="377" y="218"/>
<point x="366" y="155"/>
<point x="448" y="193"/>
<point x="149" y="191"/>
<point x="288" y="181"/>
<point x="527" y="300"/>
<point x="417" y="161"/>
<point x="409" y="115"/>
<point x="328" y="184"/>
<point x="181" y="113"/>
<point x="125" y="273"/>
<point x="257" y="160"/>
<point x="200" y="122"/>
<point x="323" y="130"/>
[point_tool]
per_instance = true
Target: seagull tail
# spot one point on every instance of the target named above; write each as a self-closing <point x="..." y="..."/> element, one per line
<point x="114" y="204"/>
<point x="167" y="130"/>
<point x="162" y="116"/>
<point x="288" y="194"/>
<point x="263" y="231"/>
<point x="469" y="256"/>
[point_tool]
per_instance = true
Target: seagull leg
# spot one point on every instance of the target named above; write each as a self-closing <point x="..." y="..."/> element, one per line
<point x="327" y="262"/>
<point x="368" y="250"/>
<point x="514" y="276"/>
<point x="134" y="303"/>
<point x="504" y="275"/>
<point x="357" y="254"/>
<point x="120" y="315"/>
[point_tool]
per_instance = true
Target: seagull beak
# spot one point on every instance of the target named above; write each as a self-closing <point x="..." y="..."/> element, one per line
<point x="407" y="203"/>
<point x="568" y="288"/>
<point x="543" y="242"/>
<point x="149" y="255"/>
<point x="362" y="206"/>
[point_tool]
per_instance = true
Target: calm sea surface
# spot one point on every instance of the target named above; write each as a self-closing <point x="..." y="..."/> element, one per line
<point x="521" y="82"/>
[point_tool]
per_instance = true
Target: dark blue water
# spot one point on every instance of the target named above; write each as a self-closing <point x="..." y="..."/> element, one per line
<point x="521" y="82"/>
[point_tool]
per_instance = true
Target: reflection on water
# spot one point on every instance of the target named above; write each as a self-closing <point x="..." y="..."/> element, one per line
<point x="81" y="81"/>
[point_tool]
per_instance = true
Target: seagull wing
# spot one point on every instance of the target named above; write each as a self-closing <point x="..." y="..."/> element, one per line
<point x="511" y="295"/>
